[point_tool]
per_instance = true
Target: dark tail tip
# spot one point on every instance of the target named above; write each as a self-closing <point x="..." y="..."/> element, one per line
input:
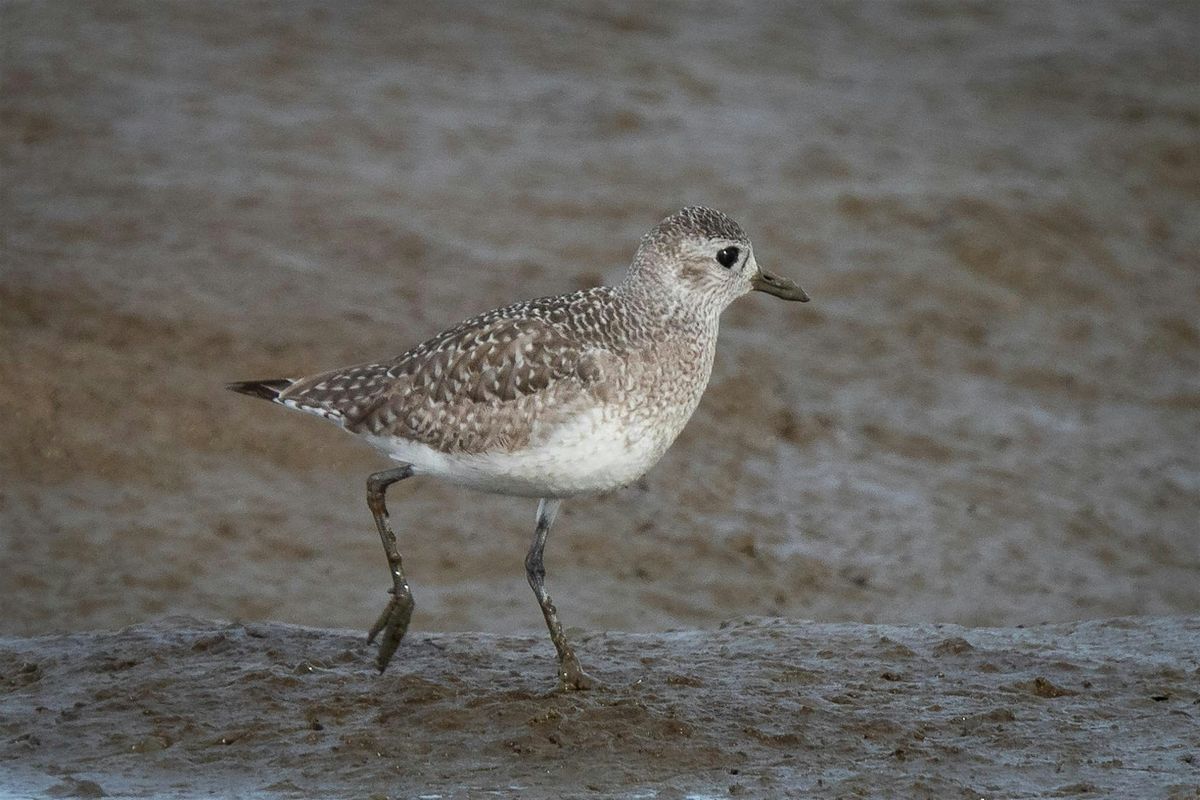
<point x="267" y="390"/>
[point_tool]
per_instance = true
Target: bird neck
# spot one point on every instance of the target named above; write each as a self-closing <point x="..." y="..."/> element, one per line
<point x="657" y="296"/>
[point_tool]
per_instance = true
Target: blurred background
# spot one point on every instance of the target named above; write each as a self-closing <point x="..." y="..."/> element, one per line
<point x="989" y="414"/>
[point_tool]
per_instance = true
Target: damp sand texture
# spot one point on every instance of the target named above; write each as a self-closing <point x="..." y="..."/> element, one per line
<point x="987" y="416"/>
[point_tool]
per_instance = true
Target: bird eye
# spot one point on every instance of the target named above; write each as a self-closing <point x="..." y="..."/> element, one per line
<point x="727" y="257"/>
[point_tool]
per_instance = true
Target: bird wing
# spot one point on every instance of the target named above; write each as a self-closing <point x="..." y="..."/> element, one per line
<point x="479" y="386"/>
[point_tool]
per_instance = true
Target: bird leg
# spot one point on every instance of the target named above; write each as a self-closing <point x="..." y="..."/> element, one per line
<point x="394" y="619"/>
<point x="570" y="673"/>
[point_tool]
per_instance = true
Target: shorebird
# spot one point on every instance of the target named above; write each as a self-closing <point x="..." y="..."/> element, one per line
<point x="549" y="398"/>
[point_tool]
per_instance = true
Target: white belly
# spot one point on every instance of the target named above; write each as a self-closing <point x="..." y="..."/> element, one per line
<point x="594" y="452"/>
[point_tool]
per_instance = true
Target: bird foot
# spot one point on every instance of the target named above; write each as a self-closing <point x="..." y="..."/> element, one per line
<point x="572" y="678"/>
<point x="393" y="623"/>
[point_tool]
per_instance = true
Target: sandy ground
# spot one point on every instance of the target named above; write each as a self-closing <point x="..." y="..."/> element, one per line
<point x="759" y="708"/>
<point x="989" y="415"/>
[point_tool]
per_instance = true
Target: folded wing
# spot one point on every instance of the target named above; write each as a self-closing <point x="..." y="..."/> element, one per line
<point x="484" y="385"/>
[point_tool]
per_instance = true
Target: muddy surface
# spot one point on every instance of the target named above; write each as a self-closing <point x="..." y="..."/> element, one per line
<point x="758" y="708"/>
<point x="989" y="415"/>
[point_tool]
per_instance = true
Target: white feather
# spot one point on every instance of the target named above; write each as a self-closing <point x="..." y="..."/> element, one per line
<point x="594" y="452"/>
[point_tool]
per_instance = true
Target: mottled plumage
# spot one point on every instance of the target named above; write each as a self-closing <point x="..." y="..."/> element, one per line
<point x="481" y="385"/>
<point x="551" y="397"/>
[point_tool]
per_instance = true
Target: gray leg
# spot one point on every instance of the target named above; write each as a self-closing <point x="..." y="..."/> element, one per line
<point x="394" y="619"/>
<point x="570" y="674"/>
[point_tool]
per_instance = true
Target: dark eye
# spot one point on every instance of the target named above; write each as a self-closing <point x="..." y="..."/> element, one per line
<point x="727" y="257"/>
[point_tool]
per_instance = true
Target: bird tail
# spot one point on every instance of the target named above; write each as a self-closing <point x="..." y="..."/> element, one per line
<point x="267" y="390"/>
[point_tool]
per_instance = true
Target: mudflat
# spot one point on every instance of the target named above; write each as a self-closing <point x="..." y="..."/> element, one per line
<point x="987" y="417"/>
<point x="758" y="708"/>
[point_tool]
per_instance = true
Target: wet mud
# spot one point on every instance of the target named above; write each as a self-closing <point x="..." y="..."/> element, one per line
<point x="756" y="708"/>
<point x="988" y="415"/>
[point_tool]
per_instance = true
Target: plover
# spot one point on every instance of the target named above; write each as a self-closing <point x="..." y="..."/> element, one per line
<point x="549" y="398"/>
